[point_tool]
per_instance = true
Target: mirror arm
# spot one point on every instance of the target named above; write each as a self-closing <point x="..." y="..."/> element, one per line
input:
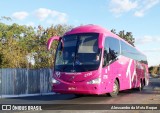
<point x="49" y="43"/>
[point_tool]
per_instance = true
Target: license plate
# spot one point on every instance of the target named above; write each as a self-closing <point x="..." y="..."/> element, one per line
<point x="71" y="88"/>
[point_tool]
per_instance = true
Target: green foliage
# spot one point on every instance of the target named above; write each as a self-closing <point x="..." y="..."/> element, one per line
<point x="5" y="18"/>
<point x="154" y="70"/>
<point x="126" y="36"/>
<point x="44" y="58"/>
<point x="18" y="43"/>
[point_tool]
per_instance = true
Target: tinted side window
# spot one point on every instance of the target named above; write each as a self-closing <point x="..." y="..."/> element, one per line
<point x="106" y="53"/>
<point x="111" y="50"/>
<point x="114" y="47"/>
<point x="132" y="53"/>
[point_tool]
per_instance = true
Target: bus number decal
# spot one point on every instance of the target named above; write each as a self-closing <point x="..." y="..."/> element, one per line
<point x="88" y="74"/>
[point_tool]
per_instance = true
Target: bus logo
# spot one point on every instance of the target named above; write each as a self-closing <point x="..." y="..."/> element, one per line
<point x="58" y="74"/>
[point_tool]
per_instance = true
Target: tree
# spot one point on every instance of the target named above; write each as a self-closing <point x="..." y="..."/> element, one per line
<point x="5" y="18"/>
<point x="44" y="58"/>
<point x="13" y="47"/>
<point x="126" y="36"/>
<point x="129" y="38"/>
<point x="154" y="70"/>
<point x="19" y="44"/>
<point x="113" y="31"/>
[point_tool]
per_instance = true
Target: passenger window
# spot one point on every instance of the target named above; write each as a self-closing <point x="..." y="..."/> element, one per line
<point x="114" y="48"/>
<point x="111" y="50"/>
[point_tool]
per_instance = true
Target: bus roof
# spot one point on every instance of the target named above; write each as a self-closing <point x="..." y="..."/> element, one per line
<point x="91" y="29"/>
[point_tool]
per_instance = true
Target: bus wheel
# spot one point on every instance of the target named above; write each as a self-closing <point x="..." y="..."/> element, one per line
<point x="141" y="86"/>
<point x="115" y="89"/>
<point x="79" y="95"/>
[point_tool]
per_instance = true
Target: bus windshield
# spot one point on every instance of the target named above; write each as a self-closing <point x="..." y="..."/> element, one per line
<point x="79" y="53"/>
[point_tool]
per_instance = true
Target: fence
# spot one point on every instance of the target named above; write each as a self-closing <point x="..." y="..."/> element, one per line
<point x="24" y="81"/>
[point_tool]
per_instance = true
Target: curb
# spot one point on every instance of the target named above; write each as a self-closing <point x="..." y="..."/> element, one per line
<point x="26" y="95"/>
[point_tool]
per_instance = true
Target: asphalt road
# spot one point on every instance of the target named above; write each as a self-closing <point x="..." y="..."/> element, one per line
<point x="150" y="95"/>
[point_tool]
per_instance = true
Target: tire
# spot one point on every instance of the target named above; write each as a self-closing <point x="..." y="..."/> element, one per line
<point x="115" y="89"/>
<point x="79" y="95"/>
<point x="141" y="86"/>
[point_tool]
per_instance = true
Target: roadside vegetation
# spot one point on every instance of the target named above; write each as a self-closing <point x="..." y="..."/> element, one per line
<point x="22" y="46"/>
<point x="154" y="71"/>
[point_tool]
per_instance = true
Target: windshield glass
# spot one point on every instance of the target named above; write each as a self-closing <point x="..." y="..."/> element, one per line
<point x="79" y="53"/>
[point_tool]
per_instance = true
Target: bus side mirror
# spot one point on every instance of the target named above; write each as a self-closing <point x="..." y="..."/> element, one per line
<point x="49" y="43"/>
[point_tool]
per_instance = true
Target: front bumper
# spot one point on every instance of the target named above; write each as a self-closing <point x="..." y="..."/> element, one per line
<point x="77" y="88"/>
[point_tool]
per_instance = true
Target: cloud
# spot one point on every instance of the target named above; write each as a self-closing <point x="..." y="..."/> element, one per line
<point x="157" y="50"/>
<point x="147" y="39"/>
<point x="42" y="13"/>
<point x="145" y="6"/>
<point x="137" y="7"/>
<point x="139" y="13"/>
<point x="20" y="15"/>
<point x="51" y="16"/>
<point x="120" y="6"/>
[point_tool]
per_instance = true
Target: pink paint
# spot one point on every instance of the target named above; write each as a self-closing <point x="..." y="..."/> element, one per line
<point x="127" y="71"/>
<point x="49" y="43"/>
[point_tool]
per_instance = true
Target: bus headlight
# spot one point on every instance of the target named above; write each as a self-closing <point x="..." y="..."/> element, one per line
<point x="54" y="81"/>
<point x="95" y="81"/>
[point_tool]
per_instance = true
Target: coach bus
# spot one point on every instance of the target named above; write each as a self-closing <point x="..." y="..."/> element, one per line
<point x="92" y="60"/>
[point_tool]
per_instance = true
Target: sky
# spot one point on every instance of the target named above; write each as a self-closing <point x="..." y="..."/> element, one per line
<point x="141" y="17"/>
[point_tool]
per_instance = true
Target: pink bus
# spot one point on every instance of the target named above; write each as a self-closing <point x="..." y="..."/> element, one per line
<point x="92" y="60"/>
